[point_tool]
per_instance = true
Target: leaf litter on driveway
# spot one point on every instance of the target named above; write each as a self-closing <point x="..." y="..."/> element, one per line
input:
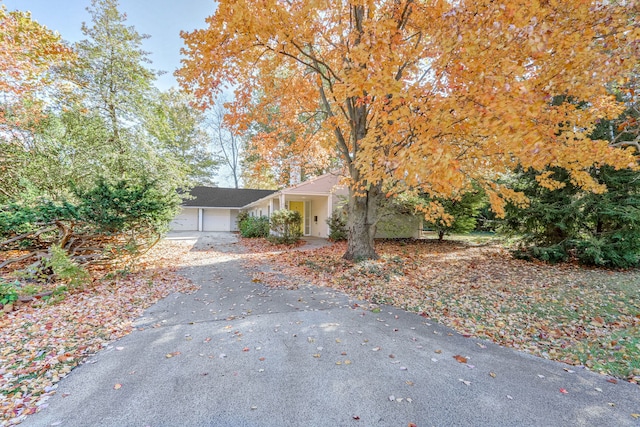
<point x="568" y="313"/>
<point x="41" y="343"/>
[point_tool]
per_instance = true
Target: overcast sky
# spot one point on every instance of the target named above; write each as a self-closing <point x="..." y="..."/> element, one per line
<point x="161" y="19"/>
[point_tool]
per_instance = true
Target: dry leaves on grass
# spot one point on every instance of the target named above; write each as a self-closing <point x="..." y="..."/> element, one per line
<point x="557" y="312"/>
<point x="42" y="342"/>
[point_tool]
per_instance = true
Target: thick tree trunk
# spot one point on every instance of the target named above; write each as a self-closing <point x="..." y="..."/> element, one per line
<point x="361" y="223"/>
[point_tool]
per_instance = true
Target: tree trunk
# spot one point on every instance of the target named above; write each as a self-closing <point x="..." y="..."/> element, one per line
<point x="361" y="223"/>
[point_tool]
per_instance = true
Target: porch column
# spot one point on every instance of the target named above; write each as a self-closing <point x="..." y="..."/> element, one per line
<point x="200" y="216"/>
<point x="329" y="211"/>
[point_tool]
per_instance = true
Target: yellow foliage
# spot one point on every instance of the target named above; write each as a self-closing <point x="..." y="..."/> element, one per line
<point x="427" y="95"/>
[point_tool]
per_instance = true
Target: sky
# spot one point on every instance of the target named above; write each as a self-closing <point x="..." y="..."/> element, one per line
<point x="161" y="19"/>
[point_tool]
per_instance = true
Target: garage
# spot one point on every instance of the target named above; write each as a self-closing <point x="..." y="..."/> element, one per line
<point x="187" y="220"/>
<point x="214" y="208"/>
<point x="216" y="220"/>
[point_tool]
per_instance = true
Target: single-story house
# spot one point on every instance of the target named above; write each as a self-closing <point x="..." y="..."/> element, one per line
<point x="216" y="209"/>
<point x="315" y="199"/>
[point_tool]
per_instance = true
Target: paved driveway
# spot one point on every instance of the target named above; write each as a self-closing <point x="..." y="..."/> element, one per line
<point x="237" y="353"/>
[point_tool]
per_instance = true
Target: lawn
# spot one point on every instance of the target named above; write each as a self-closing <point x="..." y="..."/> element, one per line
<point x="568" y="313"/>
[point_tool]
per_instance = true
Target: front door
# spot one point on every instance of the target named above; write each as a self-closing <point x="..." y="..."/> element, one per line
<point x="298" y="207"/>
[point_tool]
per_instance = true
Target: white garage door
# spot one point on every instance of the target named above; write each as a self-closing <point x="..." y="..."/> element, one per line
<point x="187" y="220"/>
<point x="216" y="220"/>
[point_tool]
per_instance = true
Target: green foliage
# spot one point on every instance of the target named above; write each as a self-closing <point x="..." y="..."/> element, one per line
<point x="337" y="223"/>
<point x="27" y="216"/>
<point x="177" y="128"/>
<point x="65" y="269"/>
<point x="129" y="205"/>
<point x="8" y="292"/>
<point x="286" y="226"/>
<point x="598" y="229"/>
<point x="253" y="226"/>
<point x="464" y="210"/>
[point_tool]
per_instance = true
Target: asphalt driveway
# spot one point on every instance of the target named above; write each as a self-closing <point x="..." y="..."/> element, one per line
<point x="237" y="353"/>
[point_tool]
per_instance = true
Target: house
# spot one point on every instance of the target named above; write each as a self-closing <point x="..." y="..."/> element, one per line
<point x="216" y="209"/>
<point x="314" y="199"/>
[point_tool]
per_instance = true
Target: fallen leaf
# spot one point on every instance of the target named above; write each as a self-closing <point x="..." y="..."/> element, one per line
<point x="245" y="349"/>
<point x="392" y="398"/>
<point x="612" y="380"/>
<point x="598" y="389"/>
<point x="375" y="349"/>
<point x="636" y="416"/>
<point x="564" y="391"/>
<point x="438" y="351"/>
<point x="464" y="381"/>
<point x="117" y="386"/>
<point x="316" y="355"/>
<point x="492" y="374"/>
<point x="460" y="359"/>
<point x="355" y="417"/>
<point x="410" y="400"/>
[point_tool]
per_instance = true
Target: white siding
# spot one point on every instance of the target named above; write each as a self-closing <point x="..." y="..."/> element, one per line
<point x="187" y="220"/>
<point x="216" y="220"/>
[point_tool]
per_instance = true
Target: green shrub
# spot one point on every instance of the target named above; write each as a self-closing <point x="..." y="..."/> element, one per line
<point x="254" y="226"/>
<point x="597" y="229"/>
<point x="65" y="269"/>
<point x="464" y="210"/>
<point x="338" y="225"/>
<point x="8" y="292"/>
<point x="286" y="226"/>
<point x="128" y="205"/>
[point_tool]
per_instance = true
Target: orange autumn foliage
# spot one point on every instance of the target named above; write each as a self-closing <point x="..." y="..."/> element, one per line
<point x="424" y="95"/>
<point x="28" y="52"/>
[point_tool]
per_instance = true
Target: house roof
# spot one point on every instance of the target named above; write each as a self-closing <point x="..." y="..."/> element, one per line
<point x="216" y="197"/>
<point x="320" y="185"/>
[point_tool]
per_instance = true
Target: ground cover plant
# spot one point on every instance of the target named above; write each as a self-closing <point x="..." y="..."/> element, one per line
<point x="581" y="316"/>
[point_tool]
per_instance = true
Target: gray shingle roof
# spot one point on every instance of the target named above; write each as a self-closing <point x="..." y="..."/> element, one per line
<point x="216" y="197"/>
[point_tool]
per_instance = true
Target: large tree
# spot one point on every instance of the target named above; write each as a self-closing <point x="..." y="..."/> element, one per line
<point x="425" y="95"/>
<point x="227" y="142"/>
<point x="29" y="53"/>
<point x="112" y="73"/>
<point x="179" y="130"/>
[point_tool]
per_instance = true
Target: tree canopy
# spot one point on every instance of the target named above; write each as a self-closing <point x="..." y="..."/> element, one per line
<point x="428" y="95"/>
